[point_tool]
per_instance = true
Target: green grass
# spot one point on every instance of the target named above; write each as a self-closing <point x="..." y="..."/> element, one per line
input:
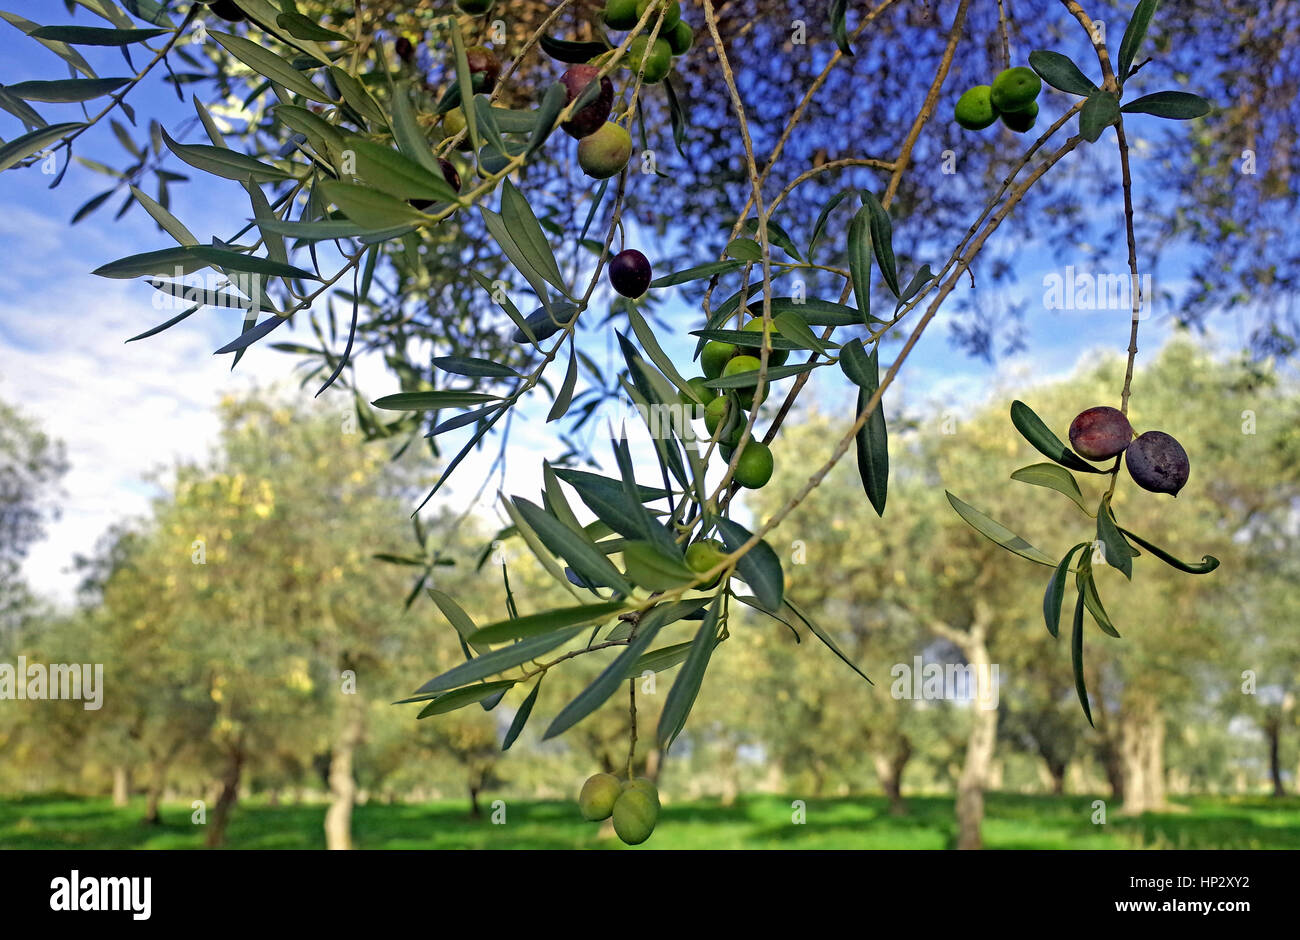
<point x="754" y="822"/>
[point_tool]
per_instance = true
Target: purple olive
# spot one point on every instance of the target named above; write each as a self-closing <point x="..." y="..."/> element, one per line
<point x="484" y="69"/>
<point x="227" y="10"/>
<point x="449" y="174"/>
<point x="1158" y="463"/>
<point x="629" y="273"/>
<point x="1100" y="433"/>
<point x="591" y="117"/>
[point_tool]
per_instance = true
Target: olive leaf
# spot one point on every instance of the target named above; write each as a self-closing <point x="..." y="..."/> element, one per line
<point x="1055" y="593"/>
<point x="1174" y="105"/>
<point x="997" y="532"/>
<point x="1134" y="33"/>
<point x="839" y="25"/>
<point x="860" y="261"/>
<point x="1207" y="563"/>
<point x="1119" y="554"/>
<point x="686" y="687"/>
<point x="545" y="622"/>
<point x="872" y="439"/>
<point x="450" y="701"/>
<point x="594" y="695"/>
<point x="1053" y="477"/>
<point x="1100" y="111"/>
<point x="882" y="240"/>
<point x="760" y="567"/>
<point x="1076" y="657"/>
<point x="1032" y="428"/>
<point x="1060" y="72"/>
<point x="522" y="715"/>
<point x="496" y="661"/>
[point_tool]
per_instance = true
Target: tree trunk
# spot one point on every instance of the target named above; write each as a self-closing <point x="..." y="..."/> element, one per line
<point x="343" y="786"/>
<point x="1273" y="729"/>
<point x="1057" y="769"/>
<point x="1142" y="743"/>
<point x="1108" y="755"/>
<point x="226" y="800"/>
<point x="980" y="745"/>
<point x="889" y="770"/>
<point x="475" y="811"/>
<point x="157" y="784"/>
<point x="121" y="785"/>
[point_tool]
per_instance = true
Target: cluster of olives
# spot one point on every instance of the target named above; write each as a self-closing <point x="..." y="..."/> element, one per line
<point x="634" y="804"/>
<point x="1012" y="97"/>
<point x="484" y="70"/>
<point x="1155" y="461"/>
<point x="724" y="412"/>
<point x="674" y="39"/>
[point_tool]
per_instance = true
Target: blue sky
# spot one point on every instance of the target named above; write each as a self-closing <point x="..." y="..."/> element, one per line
<point x="124" y="410"/>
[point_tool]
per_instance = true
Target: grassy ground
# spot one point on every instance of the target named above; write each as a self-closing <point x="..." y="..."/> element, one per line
<point x="1012" y="822"/>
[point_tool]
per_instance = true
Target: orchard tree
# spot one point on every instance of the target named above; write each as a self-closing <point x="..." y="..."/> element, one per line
<point x="370" y="162"/>
<point x="31" y="463"/>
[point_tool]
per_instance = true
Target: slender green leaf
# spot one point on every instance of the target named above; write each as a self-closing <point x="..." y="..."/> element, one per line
<point x="528" y="235"/>
<point x="1174" y="105"/>
<point x="574" y="547"/>
<point x="1134" y="33"/>
<point x="882" y="240"/>
<point x="1076" y="657"/>
<point x="1119" y="554"/>
<point x="95" y="35"/>
<point x="546" y="622"/>
<point x="390" y="172"/>
<point x="1207" y="563"/>
<point x="872" y="444"/>
<point x="686" y="687"/>
<point x="20" y="148"/>
<point x="1055" y="593"/>
<point x="498" y="660"/>
<point x="695" y="273"/>
<point x="269" y="64"/>
<point x="302" y="27"/>
<point x="189" y="258"/>
<point x="860" y="261"/>
<point x="1053" y="477"/>
<point x="594" y="695"/>
<point x="522" y="715"/>
<point x="760" y="567"/>
<point x="827" y="640"/>
<point x="459" y="698"/>
<point x="472" y="366"/>
<point x="432" y="401"/>
<point x="653" y="569"/>
<point x="66" y="90"/>
<point x="997" y="532"/>
<point x="224" y="162"/>
<point x="1045" y="442"/>
<point x="839" y="25"/>
<point x="375" y="210"/>
<point x="166" y="221"/>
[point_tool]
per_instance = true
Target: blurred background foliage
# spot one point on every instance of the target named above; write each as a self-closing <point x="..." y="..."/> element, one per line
<point x="265" y="673"/>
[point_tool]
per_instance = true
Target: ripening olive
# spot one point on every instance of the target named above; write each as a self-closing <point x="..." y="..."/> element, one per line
<point x="1100" y="433"/>
<point x="599" y="793"/>
<point x="1157" y="462"/>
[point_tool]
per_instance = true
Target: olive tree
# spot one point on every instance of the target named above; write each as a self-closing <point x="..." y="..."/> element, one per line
<point x="369" y="166"/>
